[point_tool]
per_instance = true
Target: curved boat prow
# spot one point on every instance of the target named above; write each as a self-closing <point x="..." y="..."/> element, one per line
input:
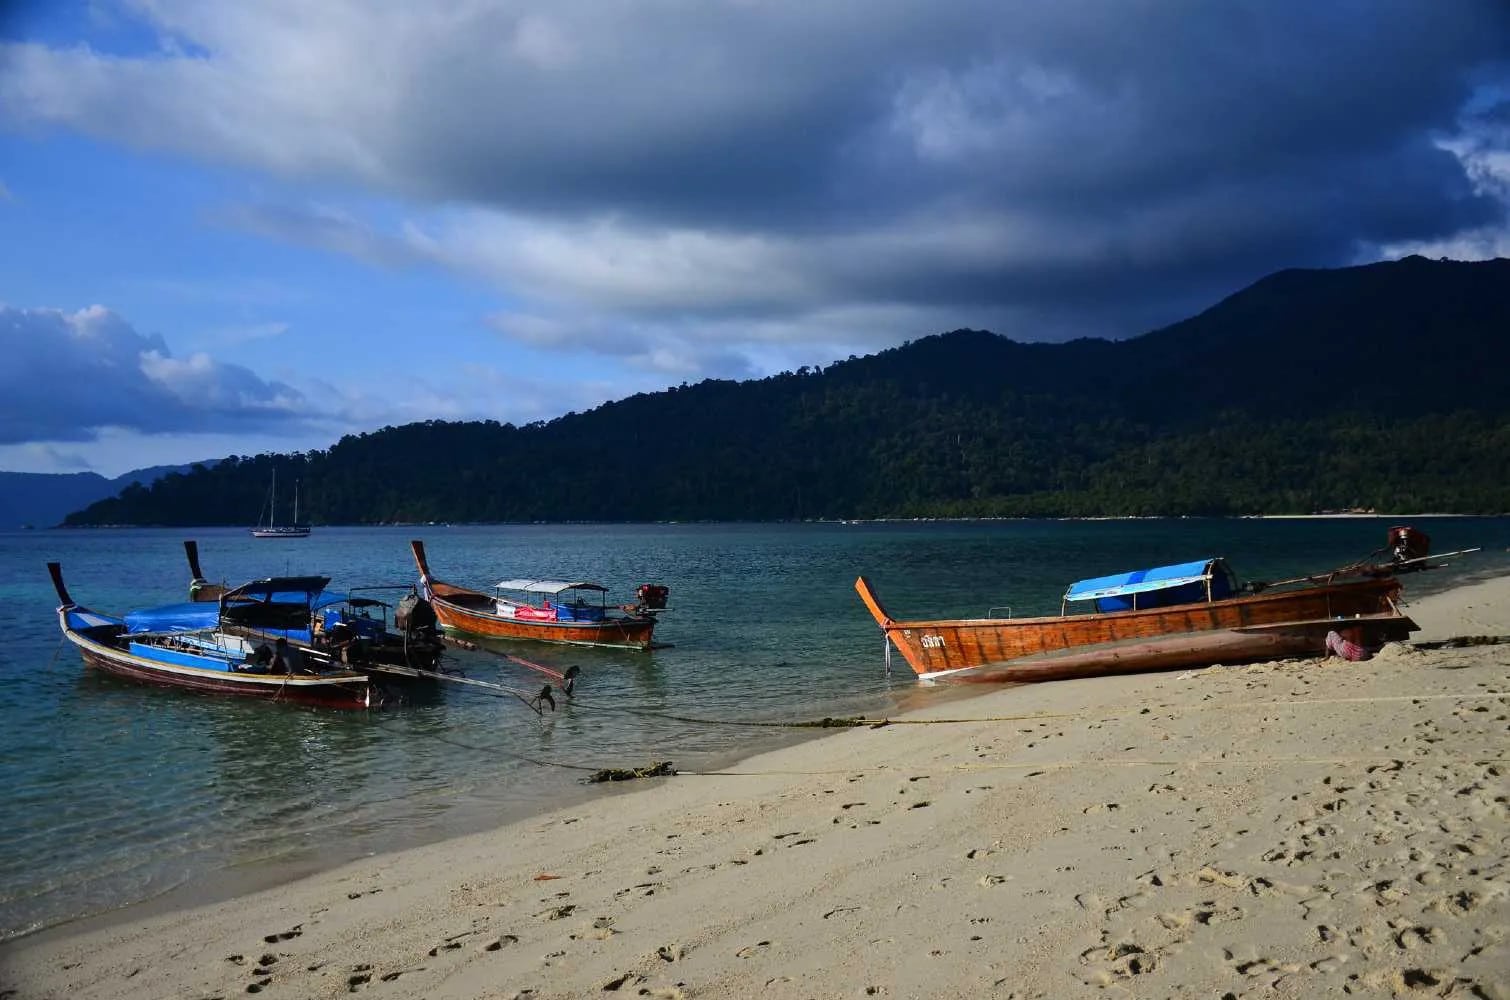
<point x="200" y="589"/>
<point x="872" y="602"/>
<point x="56" y="569"/>
<point x="418" y="548"/>
<point x="191" y="549"/>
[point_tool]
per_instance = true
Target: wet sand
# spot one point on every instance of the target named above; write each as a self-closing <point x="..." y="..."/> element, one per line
<point x="1303" y="828"/>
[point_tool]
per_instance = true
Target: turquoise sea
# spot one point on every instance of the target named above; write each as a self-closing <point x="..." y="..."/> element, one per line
<point x="116" y="794"/>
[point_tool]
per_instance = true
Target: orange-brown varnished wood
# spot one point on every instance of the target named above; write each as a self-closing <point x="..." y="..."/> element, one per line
<point x="1087" y="644"/>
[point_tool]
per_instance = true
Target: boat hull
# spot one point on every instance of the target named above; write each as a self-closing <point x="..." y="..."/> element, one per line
<point x="346" y="692"/>
<point x="633" y="633"/>
<point x="1236" y="630"/>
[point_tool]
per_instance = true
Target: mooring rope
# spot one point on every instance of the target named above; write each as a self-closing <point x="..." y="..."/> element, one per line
<point x="1109" y="762"/>
<point x="855" y="722"/>
<point x="663" y="768"/>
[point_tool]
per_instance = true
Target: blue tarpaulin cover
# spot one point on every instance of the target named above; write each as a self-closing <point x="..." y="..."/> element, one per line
<point x="1140" y="581"/>
<point x="196" y="615"/>
<point x="174" y="617"/>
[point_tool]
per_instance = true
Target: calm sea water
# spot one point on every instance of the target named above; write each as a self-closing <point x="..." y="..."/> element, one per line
<point x="116" y="793"/>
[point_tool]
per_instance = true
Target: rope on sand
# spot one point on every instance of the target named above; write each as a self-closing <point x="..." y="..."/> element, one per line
<point x="1040" y="766"/>
<point x="857" y="722"/>
<point x="1461" y="641"/>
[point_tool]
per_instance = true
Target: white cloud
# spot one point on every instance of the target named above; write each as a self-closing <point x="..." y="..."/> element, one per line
<point x="1481" y="146"/>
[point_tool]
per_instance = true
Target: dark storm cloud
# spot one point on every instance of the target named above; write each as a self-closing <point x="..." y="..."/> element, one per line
<point x="728" y="176"/>
<point x="67" y="375"/>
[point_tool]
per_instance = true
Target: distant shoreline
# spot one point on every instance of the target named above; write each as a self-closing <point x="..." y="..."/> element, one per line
<point x="1330" y="516"/>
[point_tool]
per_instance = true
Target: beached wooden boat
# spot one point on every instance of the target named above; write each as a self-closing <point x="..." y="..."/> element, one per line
<point x="209" y="660"/>
<point x="573" y="612"/>
<point x="1188" y="615"/>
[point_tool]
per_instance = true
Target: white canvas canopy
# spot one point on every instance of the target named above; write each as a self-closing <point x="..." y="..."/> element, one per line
<point x="552" y="587"/>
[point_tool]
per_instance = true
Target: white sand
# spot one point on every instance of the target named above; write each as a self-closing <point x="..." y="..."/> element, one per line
<point x="1292" y="829"/>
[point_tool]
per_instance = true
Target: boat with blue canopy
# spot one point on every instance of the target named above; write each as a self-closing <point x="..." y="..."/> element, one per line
<point x="208" y="659"/>
<point x="1187" y="614"/>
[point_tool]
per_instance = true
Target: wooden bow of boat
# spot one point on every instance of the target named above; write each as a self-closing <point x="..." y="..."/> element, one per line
<point x="56" y="571"/>
<point x="200" y="589"/>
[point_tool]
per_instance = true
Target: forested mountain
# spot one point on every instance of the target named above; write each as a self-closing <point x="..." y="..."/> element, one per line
<point x="42" y="499"/>
<point x="1383" y="386"/>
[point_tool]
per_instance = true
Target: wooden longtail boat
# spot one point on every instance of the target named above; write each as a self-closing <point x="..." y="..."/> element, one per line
<point x="1173" y="617"/>
<point x="201" y="660"/>
<point x="573" y="620"/>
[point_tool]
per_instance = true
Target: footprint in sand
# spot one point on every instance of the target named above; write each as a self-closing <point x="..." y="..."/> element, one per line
<point x="751" y="950"/>
<point x="619" y="982"/>
<point x="292" y="932"/>
<point x="451" y="943"/>
<point x="497" y="944"/>
<point x="601" y="930"/>
<point x="1117" y="963"/>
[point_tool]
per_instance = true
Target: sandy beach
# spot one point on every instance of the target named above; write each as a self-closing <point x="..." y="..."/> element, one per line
<point x="1294" y="829"/>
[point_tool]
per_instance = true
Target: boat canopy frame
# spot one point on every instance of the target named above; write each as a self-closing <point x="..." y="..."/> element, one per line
<point x="548" y="587"/>
<point x="1180" y="583"/>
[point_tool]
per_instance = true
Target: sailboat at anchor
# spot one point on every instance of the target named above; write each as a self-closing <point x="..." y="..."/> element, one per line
<point x="274" y="530"/>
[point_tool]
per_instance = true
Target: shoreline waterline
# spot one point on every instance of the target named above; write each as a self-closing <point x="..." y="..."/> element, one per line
<point x="793" y="864"/>
<point x="1442" y="614"/>
<point x="769" y="629"/>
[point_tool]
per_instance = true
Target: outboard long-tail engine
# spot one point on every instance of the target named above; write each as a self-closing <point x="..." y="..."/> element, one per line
<point x="653" y="596"/>
<point x="414" y="614"/>
<point x="1407" y="544"/>
<point x="415" y="619"/>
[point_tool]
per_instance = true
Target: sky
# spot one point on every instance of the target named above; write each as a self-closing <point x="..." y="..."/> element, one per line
<point x="230" y="228"/>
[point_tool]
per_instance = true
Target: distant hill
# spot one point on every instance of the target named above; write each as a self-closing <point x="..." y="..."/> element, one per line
<point x="43" y="499"/>
<point x="1383" y="386"/>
